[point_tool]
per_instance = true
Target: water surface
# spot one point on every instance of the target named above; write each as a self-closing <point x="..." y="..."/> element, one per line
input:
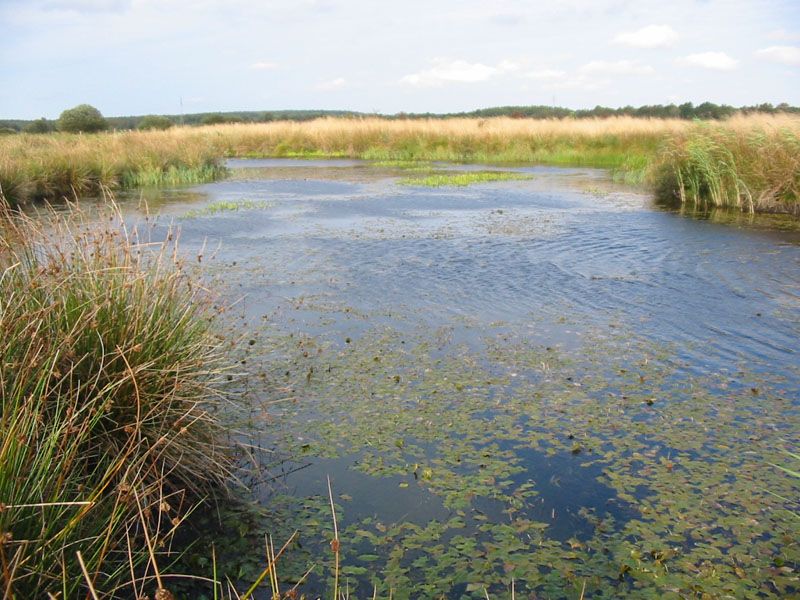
<point x="551" y="381"/>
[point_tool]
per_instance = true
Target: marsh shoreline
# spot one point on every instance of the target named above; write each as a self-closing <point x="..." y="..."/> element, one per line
<point x="746" y="162"/>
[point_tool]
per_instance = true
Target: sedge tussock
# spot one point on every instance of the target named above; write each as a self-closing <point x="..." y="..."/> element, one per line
<point x="110" y="381"/>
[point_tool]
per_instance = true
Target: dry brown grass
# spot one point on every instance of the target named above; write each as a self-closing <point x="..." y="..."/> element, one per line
<point x="334" y="131"/>
<point x="49" y="166"/>
<point x="594" y="141"/>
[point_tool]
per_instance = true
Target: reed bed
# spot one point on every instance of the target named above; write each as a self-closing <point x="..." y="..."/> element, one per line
<point x="53" y="166"/>
<point x="602" y="142"/>
<point x="111" y="376"/>
<point x="623" y="144"/>
<point x="752" y="165"/>
<point x="672" y="154"/>
<point x="57" y="165"/>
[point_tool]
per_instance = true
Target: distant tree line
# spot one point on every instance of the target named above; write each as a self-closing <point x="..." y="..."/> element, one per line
<point x="87" y="119"/>
<point x="215" y="118"/>
<point x="706" y="110"/>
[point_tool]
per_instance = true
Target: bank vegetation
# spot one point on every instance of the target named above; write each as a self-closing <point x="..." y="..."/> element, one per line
<point x="745" y="161"/>
<point x="110" y="380"/>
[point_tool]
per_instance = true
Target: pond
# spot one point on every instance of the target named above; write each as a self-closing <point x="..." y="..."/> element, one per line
<point x="547" y="383"/>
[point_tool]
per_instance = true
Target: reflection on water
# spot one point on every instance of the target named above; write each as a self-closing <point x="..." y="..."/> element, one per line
<point x="515" y="376"/>
<point x="391" y="499"/>
<point x="738" y="218"/>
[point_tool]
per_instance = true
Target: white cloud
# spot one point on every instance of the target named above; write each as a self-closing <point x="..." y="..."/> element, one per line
<point x="619" y="67"/>
<point x="217" y="45"/>
<point x="718" y="61"/>
<point x="577" y="82"/>
<point x="333" y="84"/>
<point x="652" y="36"/>
<point x="457" y="71"/>
<point x="592" y="76"/>
<point x="264" y="65"/>
<point x="546" y="74"/>
<point x="445" y="71"/>
<point x="509" y="65"/>
<point x="89" y="6"/>
<point x="783" y="35"/>
<point x="786" y="55"/>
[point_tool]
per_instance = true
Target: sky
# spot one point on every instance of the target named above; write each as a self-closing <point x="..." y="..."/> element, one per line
<point x="133" y="57"/>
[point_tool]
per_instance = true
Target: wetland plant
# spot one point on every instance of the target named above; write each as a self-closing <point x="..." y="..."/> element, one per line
<point x="58" y="165"/>
<point x="749" y="168"/>
<point x="222" y="206"/>
<point x="794" y="472"/>
<point x="174" y="175"/>
<point x="111" y="375"/>
<point x="463" y="179"/>
<point x="746" y="161"/>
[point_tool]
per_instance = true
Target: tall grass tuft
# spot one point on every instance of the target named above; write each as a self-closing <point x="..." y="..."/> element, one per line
<point x="753" y="168"/>
<point x="110" y="374"/>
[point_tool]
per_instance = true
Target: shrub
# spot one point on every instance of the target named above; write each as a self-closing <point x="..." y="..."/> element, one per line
<point x="155" y="122"/>
<point x="38" y="126"/>
<point x="82" y="119"/>
<point x="110" y="371"/>
<point x="8" y="131"/>
<point x="218" y="119"/>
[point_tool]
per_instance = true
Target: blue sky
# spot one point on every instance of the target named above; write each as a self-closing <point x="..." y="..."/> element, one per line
<point x="144" y="56"/>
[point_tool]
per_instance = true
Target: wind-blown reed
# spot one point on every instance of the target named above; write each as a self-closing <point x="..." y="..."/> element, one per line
<point x="753" y="166"/>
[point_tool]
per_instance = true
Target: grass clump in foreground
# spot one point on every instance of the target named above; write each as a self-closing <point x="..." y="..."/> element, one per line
<point x="110" y="376"/>
<point x="463" y="179"/>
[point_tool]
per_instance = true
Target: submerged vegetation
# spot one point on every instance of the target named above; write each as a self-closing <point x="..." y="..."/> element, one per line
<point x="607" y="468"/>
<point x="111" y="375"/>
<point x="745" y="161"/>
<point x="600" y="470"/>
